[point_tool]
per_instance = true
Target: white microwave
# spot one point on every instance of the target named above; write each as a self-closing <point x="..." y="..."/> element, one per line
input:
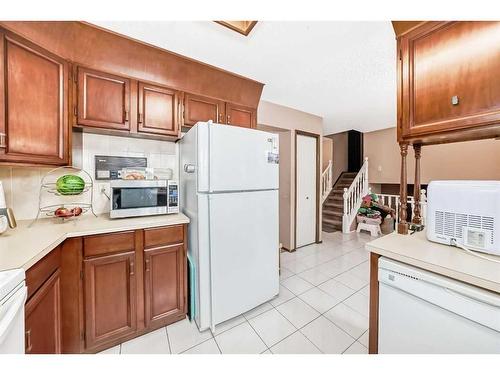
<point x="130" y="198"/>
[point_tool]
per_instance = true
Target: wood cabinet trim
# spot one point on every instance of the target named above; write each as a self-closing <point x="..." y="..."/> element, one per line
<point x="53" y="283"/>
<point x="479" y="119"/>
<point x="103" y="244"/>
<point x="142" y="126"/>
<point x="374" y="302"/>
<point x="83" y="73"/>
<point x="160" y="319"/>
<point x="61" y="128"/>
<point x="163" y="236"/>
<point x="37" y="275"/>
<point x="91" y="338"/>
<point x="252" y="112"/>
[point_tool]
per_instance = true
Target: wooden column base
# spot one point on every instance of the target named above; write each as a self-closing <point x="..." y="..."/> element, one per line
<point x="403" y="228"/>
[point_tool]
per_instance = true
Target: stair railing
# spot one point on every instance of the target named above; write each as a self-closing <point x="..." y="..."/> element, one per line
<point x="394" y="201"/>
<point x="326" y="182"/>
<point x="353" y="196"/>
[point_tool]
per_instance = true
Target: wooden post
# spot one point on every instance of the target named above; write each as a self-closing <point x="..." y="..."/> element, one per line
<point x="403" y="225"/>
<point x="417" y="214"/>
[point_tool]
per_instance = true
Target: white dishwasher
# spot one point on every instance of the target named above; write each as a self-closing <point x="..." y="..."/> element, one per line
<point x="13" y="294"/>
<point x="422" y="312"/>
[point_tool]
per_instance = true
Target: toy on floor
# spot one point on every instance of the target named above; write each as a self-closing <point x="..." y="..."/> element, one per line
<point x="371" y="214"/>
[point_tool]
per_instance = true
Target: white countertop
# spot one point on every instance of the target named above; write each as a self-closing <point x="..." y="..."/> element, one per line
<point x="446" y="260"/>
<point x="23" y="246"/>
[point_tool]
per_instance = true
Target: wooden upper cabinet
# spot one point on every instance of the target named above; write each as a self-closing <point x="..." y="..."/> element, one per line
<point x="43" y="318"/>
<point x="110" y="298"/>
<point x="200" y="108"/>
<point x="239" y="115"/>
<point x="158" y="110"/>
<point x="449" y="78"/>
<point x="33" y="103"/>
<point x="103" y="100"/>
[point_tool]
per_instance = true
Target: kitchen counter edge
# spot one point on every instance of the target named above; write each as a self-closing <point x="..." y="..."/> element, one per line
<point x="416" y="250"/>
<point x="18" y="248"/>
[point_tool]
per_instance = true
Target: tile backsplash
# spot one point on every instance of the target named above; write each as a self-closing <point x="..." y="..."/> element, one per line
<point x="22" y="184"/>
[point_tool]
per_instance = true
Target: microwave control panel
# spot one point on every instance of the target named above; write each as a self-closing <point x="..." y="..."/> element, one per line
<point x="173" y="197"/>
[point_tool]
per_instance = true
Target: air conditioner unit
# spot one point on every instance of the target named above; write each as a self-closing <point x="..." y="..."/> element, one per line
<point x="467" y="212"/>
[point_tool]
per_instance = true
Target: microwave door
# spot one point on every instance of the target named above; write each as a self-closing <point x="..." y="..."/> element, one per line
<point x="132" y="201"/>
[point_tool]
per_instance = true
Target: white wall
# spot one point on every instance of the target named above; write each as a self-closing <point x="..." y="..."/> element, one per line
<point x="22" y="184"/>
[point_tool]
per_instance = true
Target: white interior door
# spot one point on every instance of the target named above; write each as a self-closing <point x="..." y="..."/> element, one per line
<point x="306" y="176"/>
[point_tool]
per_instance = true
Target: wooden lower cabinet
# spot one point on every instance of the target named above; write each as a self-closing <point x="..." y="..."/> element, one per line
<point x="110" y="298"/>
<point x="43" y="318"/>
<point x="164" y="285"/>
<point x="94" y="292"/>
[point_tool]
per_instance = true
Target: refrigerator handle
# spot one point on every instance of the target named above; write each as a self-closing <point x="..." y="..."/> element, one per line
<point x="189" y="168"/>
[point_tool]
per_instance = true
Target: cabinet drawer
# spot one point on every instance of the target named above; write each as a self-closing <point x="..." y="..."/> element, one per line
<point x="41" y="271"/>
<point x="163" y="236"/>
<point x="108" y="243"/>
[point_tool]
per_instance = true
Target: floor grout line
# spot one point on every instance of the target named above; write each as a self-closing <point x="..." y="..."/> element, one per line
<point x="168" y="340"/>
<point x="336" y="241"/>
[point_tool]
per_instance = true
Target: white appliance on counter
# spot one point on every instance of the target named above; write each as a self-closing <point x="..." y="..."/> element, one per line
<point x="13" y="293"/>
<point x="229" y="181"/>
<point x="424" y="313"/>
<point x="466" y="213"/>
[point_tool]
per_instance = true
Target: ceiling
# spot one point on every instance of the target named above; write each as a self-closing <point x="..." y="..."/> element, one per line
<point x="342" y="71"/>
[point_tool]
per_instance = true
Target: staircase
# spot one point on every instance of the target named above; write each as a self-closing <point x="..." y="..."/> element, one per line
<point x="333" y="205"/>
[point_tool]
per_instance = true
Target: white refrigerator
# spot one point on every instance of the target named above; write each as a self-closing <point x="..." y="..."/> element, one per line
<point x="229" y="179"/>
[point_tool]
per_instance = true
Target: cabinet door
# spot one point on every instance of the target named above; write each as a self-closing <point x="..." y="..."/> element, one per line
<point x="103" y="100"/>
<point x="449" y="77"/>
<point x="33" y="103"/>
<point x="164" y="285"/>
<point x="200" y="108"/>
<point x="110" y="298"/>
<point x="239" y="115"/>
<point x="158" y="111"/>
<point x="43" y="319"/>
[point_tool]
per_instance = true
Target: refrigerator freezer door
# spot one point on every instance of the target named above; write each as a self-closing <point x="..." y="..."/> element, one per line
<point x="242" y="159"/>
<point x="244" y="251"/>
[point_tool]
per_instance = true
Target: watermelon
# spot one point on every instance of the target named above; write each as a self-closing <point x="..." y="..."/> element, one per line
<point x="70" y="185"/>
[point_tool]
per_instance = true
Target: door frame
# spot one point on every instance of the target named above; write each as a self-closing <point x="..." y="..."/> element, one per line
<point x="318" y="171"/>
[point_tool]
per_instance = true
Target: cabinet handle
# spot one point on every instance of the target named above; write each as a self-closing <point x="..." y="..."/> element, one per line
<point x="140" y="118"/>
<point x="3" y="142"/>
<point x="126" y="115"/>
<point x="147" y="265"/>
<point x="454" y="100"/>
<point x="131" y="268"/>
<point x="221" y="117"/>
<point x="29" y="346"/>
<point x="228" y="119"/>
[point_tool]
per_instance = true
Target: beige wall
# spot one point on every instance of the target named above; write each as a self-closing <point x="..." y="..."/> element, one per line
<point x="285" y="121"/>
<point x="465" y="160"/>
<point x="340" y="153"/>
<point x="327" y="152"/>
<point x="286" y="172"/>
<point x="288" y="118"/>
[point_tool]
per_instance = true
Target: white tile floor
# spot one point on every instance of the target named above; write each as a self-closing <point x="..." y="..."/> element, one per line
<point x="322" y="307"/>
